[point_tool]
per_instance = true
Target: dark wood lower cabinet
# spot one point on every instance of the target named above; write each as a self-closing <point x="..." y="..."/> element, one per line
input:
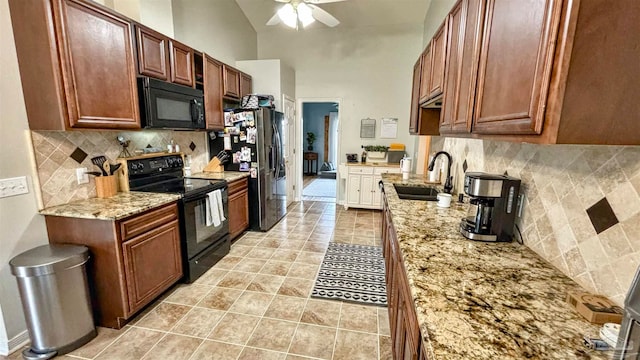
<point x="131" y="263"/>
<point x="238" y="207"/>
<point x="405" y="332"/>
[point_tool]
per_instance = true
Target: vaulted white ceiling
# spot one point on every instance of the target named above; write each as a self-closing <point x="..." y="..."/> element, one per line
<point x="350" y="13"/>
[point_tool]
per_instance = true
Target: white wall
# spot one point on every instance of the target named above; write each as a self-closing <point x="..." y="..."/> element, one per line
<point x="270" y="77"/>
<point x="370" y="69"/>
<point x="218" y="28"/>
<point x="22" y="227"/>
<point x="158" y="15"/>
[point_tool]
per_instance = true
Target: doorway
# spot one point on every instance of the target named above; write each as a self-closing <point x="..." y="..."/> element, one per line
<point x="320" y="123"/>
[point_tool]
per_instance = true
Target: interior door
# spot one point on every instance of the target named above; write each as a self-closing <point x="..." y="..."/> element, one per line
<point x="288" y="145"/>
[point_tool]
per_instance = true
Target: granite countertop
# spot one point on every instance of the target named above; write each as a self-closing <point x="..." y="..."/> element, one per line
<point x="229" y="176"/>
<point x="119" y="206"/>
<point x="478" y="300"/>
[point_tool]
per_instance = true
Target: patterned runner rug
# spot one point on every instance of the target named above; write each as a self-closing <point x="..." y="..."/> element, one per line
<point x="353" y="273"/>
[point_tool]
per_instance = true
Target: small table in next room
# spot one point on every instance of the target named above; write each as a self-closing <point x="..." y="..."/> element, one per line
<point x="309" y="159"/>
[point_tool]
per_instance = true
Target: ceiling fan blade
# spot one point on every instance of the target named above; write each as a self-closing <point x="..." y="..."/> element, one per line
<point x="319" y="1"/>
<point x="275" y="20"/>
<point x="323" y="16"/>
<point x="286" y="1"/>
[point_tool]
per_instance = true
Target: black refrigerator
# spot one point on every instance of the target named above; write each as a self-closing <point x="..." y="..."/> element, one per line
<point x="254" y="144"/>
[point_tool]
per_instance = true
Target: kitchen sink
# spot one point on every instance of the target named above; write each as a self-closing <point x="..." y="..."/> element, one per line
<point x="416" y="192"/>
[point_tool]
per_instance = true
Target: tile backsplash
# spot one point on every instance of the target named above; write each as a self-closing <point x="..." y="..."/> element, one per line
<point x="59" y="153"/>
<point x="582" y="207"/>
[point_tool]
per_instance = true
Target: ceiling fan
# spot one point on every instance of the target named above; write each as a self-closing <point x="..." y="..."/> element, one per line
<point x="304" y="12"/>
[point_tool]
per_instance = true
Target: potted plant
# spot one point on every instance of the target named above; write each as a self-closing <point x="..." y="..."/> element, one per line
<point x="311" y="138"/>
<point x="376" y="151"/>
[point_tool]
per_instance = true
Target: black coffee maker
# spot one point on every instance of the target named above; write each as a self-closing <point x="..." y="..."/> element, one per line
<point x="493" y="201"/>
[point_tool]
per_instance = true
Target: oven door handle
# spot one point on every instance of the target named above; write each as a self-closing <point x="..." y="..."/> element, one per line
<point x="204" y="196"/>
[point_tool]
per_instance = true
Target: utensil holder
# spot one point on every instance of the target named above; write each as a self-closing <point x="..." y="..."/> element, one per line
<point x="106" y="186"/>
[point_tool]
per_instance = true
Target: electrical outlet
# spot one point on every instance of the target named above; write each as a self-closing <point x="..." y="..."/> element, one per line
<point x="82" y="176"/>
<point x="13" y="186"/>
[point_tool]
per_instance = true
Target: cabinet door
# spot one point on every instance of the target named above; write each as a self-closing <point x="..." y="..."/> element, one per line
<point x="425" y="75"/>
<point x="353" y="189"/>
<point x="98" y="63"/>
<point x="515" y="65"/>
<point x="366" y="190"/>
<point x="245" y="84"/>
<point x="231" y="82"/>
<point x="153" y="48"/>
<point x="415" y="97"/>
<point x="377" y="193"/>
<point x="438" y="62"/>
<point x="238" y="212"/>
<point x="152" y="263"/>
<point x="181" y="57"/>
<point x="213" y="93"/>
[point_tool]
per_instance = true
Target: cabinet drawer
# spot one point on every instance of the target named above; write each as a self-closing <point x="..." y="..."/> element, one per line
<point x="237" y="186"/>
<point x="137" y="225"/>
<point x="360" y="170"/>
<point x="390" y="170"/>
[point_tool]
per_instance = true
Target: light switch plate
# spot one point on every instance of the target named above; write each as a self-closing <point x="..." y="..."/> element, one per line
<point x="13" y="186"/>
<point x="82" y="176"/>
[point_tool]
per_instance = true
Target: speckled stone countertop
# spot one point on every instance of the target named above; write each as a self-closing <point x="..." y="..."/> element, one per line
<point x="478" y="300"/>
<point x="229" y="176"/>
<point x="117" y="207"/>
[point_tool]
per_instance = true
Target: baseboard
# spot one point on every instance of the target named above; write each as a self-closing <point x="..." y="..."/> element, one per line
<point x="15" y="343"/>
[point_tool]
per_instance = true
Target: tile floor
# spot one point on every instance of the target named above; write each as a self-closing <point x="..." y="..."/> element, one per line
<point x="256" y="304"/>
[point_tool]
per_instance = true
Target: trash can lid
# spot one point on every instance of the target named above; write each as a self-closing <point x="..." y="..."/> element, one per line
<point x="48" y="259"/>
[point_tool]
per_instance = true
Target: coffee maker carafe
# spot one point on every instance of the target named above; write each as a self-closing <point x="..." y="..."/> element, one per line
<point x="493" y="206"/>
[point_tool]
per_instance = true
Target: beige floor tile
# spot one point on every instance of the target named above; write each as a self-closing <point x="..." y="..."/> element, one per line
<point x="236" y="280"/>
<point x="175" y="347"/>
<point x="296" y="287"/>
<point x="304" y="271"/>
<point x="309" y="257"/>
<point x="314" y="341"/>
<point x="383" y="321"/>
<point x="385" y="349"/>
<point x="298" y="236"/>
<point x="272" y="243"/>
<point x="198" y="322"/>
<point x="283" y="254"/>
<point x="260" y="253"/>
<point x="260" y="354"/>
<point x="359" y="318"/>
<point x="252" y="303"/>
<point x="266" y="283"/>
<point x="228" y="262"/>
<point x="351" y="345"/>
<point x="240" y="250"/>
<point x="274" y="267"/>
<point x="292" y="244"/>
<point x="220" y="298"/>
<point x="131" y="345"/>
<point x="164" y="316"/>
<point x="215" y="350"/>
<point x="297" y="357"/>
<point x="212" y="277"/>
<point x="363" y="240"/>
<point x="286" y="308"/>
<point x="248" y="241"/>
<point x="319" y="312"/>
<point x="250" y="265"/>
<point x="272" y="334"/>
<point x="234" y="328"/>
<point x="104" y="338"/>
<point x="316" y="247"/>
<point x="188" y="294"/>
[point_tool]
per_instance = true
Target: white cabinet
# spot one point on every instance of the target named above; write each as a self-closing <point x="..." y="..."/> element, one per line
<point x="362" y="186"/>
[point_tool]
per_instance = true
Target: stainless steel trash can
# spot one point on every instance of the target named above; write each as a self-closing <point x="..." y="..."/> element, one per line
<point x="54" y="290"/>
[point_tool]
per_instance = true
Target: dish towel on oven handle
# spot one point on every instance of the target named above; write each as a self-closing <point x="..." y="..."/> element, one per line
<point x="213" y="210"/>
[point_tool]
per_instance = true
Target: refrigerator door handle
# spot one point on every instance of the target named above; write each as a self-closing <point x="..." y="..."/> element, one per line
<point x="280" y="159"/>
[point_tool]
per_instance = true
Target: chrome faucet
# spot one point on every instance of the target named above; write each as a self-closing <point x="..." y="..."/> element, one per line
<point x="447" y="184"/>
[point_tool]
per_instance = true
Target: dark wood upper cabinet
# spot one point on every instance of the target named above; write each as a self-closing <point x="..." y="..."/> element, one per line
<point x="153" y="49"/>
<point x="245" y="84"/>
<point x="415" y="97"/>
<point x="181" y="60"/>
<point x="425" y="75"/>
<point x="438" y="61"/>
<point x="515" y="66"/>
<point x="73" y="57"/>
<point x="231" y="81"/>
<point x="212" y="86"/>
<point x="463" y="54"/>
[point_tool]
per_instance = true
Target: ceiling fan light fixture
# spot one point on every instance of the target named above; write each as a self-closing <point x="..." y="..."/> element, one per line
<point x="305" y="14"/>
<point x="288" y="15"/>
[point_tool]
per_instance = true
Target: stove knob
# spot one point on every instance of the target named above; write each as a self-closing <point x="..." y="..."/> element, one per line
<point x="134" y="166"/>
<point x="140" y="166"/>
<point x="170" y="161"/>
<point x="179" y="162"/>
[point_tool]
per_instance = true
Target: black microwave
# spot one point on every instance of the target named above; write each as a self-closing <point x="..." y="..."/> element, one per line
<point x="165" y="105"/>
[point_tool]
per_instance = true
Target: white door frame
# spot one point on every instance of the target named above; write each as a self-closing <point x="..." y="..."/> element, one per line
<point x="300" y="145"/>
<point x="291" y="144"/>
